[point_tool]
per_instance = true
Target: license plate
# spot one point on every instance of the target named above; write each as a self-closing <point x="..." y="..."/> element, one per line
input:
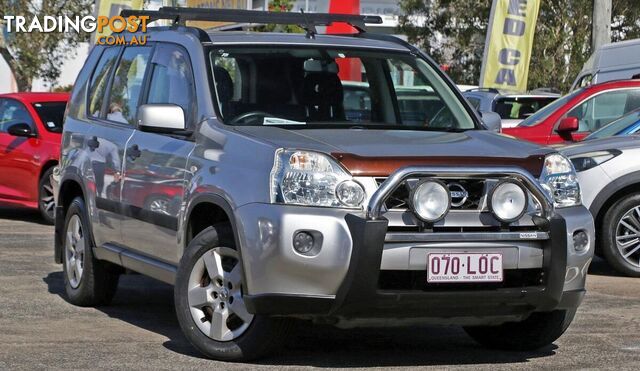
<point x="464" y="267"/>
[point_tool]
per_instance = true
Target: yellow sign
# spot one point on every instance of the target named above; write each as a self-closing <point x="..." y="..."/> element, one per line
<point x="110" y="8"/>
<point x="507" y="51"/>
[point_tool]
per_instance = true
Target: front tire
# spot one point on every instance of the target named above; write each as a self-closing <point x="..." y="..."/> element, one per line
<point x="537" y="331"/>
<point x="87" y="281"/>
<point x="209" y="302"/>
<point x="46" y="203"/>
<point x="620" y="235"/>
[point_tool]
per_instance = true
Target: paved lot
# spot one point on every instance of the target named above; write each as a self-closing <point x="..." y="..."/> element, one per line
<point x="39" y="329"/>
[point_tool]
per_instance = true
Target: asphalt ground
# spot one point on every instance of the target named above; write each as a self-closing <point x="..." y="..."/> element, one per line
<point x="39" y="329"/>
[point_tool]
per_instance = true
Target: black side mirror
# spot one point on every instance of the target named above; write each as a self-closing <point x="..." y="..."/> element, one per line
<point x="21" y="130"/>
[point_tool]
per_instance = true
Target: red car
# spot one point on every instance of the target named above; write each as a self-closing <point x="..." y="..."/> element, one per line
<point x="30" y="134"/>
<point x="578" y="114"/>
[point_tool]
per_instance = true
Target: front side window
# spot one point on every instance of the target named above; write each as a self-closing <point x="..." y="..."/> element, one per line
<point x="313" y="87"/>
<point x="127" y="85"/>
<point x="98" y="84"/>
<point x="171" y="78"/>
<point x="13" y="112"/>
<point x="51" y="114"/>
<point x="602" y="109"/>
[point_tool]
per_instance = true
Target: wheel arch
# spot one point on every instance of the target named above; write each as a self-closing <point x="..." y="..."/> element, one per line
<point x="206" y="210"/>
<point x="70" y="188"/>
<point x="613" y="192"/>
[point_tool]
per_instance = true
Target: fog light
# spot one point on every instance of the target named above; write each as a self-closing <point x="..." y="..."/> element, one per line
<point x="580" y="240"/>
<point x="303" y="242"/>
<point x="508" y="201"/>
<point x="431" y="200"/>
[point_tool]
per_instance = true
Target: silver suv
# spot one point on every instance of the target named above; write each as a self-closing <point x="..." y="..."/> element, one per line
<point x="226" y="164"/>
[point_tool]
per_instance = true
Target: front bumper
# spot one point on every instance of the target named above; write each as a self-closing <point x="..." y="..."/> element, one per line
<point x="343" y="280"/>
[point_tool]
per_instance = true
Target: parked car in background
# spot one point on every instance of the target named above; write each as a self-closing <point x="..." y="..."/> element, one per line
<point x="289" y="205"/>
<point x="615" y="61"/>
<point x="512" y="108"/>
<point x="579" y="113"/>
<point x="626" y="125"/>
<point x="30" y="133"/>
<point x="609" y="175"/>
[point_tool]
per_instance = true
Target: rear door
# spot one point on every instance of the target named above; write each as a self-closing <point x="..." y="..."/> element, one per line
<point x="18" y="170"/>
<point x="154" y="178"/>
<point x="113" y="102"/>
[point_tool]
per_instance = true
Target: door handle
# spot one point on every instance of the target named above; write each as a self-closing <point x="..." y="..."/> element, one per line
<point x="133" y="152"/>
<point x="93" y="143"/>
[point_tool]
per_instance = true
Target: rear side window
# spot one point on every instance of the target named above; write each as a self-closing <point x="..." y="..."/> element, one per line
<point x="13" y="112"/>
<point x="98" y="85"/>
<point x="172" y="79"/>
<point x="475" y="102"/>
<point x="127" y="85"/>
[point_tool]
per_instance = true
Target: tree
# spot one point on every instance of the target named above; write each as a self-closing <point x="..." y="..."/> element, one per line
<point x="453" y="33"/>
<point x="39" y="54"/>
<point x="278" y="6"/>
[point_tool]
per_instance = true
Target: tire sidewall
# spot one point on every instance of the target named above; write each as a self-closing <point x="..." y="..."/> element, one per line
<point x="609" y="230"/>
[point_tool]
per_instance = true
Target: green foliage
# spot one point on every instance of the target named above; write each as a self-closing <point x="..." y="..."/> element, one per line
<point x="38" y="54"/>
<point x="453" y="32"/>
<point x="278" y="6"/>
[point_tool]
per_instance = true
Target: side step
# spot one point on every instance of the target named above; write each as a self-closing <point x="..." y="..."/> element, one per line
<point x="136" y="262"/>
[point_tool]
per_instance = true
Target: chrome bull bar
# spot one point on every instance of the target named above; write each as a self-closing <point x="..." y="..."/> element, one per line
<point x="377" y="200"/>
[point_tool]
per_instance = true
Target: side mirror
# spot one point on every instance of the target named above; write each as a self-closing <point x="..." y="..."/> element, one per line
<point x="492" y="121"/>
<point x="21" y="130"/>
<point x="161" y="118"/>
<point x="568" y="125"/>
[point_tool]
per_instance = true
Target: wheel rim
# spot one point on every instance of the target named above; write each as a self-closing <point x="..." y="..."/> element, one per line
<point x="628" y="237"/>
<point x="46" y="198"/>
<point x="74" y="251"/>
<point x="215" y="295"/>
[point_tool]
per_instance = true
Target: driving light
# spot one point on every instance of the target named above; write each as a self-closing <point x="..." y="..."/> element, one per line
<point x="431" y="200"/>
<point x="508" y="201"/>
<point x="590" y="160"/>
<point x="559" y="180"/>
<point x="313" y="179"/>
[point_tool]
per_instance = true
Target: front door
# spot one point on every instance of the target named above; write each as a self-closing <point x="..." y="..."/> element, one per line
<point x="155" y="164"/>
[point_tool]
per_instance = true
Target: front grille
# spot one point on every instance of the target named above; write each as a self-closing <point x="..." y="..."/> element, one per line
<point x="417" y="280"/>
<point x="466" y="194"/>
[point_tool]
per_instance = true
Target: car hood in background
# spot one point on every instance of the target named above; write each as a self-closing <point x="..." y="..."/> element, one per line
<point x="620" y="143"/>
<point x="369" y="152"/>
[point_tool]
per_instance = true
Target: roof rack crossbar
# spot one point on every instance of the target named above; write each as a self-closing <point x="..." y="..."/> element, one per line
<point x="308" y="21"/>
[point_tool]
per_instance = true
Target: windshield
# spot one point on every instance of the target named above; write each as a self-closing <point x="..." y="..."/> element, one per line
<point x="297" y="88"/>
<point x="519" y="108"/>
<point x="617" y="126"/>
<point x="548" y="110"/>
<point x="51" y="114"/>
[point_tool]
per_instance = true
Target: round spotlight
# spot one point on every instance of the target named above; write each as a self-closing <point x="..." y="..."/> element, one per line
<point x="508" y="201"/>
<point x="431" y="200"/>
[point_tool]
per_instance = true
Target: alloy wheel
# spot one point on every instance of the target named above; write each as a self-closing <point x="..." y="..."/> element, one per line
<point x="46" y="198"/>
<point x="628" y="236"/>
<point x="74" y="251"/>
<point x="215" y="295"/>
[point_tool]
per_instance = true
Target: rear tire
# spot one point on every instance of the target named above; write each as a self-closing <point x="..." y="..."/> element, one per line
<point x="46" y="204"/>
<point x="619" y="225"/>
<point x="209" y="305"/>
<point x="87" y="281"/>
<point x="537" y="331"/>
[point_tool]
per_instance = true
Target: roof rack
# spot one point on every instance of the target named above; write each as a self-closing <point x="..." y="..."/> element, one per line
<point x="308" y="21"/>
<point x="491" y="90"/>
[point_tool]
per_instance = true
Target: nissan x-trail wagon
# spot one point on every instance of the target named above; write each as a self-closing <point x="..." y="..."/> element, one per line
<point x="225" y="163"/>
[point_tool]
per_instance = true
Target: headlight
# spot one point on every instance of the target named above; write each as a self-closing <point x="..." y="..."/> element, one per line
<point x="590" y="160"/>
<point x="559" y="179"/>
<point x="431" y="200"/>
<point x="508" y="201"/>
<point x="313" y="179"/>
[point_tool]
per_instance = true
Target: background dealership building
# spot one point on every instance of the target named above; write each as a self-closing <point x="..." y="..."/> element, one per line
<point x="388" y="9"/>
